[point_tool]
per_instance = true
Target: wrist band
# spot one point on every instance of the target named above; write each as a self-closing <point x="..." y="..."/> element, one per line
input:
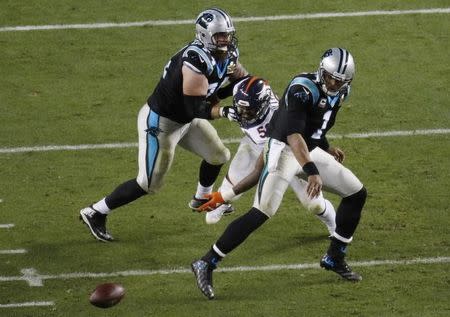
<point x="228" y="194"/>
<point x="310" y="169"/>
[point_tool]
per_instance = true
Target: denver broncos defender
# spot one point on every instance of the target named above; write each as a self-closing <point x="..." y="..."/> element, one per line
<point x="177" y="113"/>
<point x="298" y="147"/>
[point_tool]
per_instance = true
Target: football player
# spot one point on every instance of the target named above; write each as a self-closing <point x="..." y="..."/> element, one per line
<point x="297" y="147"/>
<point x="177" y="113"/>
<point x="255" y="103"/>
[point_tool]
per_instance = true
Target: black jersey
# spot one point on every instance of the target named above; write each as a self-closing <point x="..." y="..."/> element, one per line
<point x="306" y="109"/>
<point x="167" y="98"/>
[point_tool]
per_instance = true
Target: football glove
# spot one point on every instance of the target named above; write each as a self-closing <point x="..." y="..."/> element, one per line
<point x="215" y="200"/>
<point x="230" y="112"/>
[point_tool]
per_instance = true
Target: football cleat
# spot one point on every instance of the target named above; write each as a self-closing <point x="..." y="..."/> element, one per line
<point x="215" y="215"/>
<point x="195" y="203"/>
<point x="340" y="267"/>
<point x="203" y="275"/>
<point x="96" y="223"/>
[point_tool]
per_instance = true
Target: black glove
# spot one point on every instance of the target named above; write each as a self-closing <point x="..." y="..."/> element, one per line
<point x="229" y="112"/>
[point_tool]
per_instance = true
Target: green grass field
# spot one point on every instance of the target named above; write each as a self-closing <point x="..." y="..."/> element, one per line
<point x="85" y="86"/>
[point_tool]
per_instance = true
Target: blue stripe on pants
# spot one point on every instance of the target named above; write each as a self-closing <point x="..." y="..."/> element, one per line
<point x="152" y="144"/>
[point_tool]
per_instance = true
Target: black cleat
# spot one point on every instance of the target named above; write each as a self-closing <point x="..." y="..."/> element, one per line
<point x="203" y="275"/>
<point x="340" y="267"/>
<point x="195" y="203"/>
<point x="96" y="223"/>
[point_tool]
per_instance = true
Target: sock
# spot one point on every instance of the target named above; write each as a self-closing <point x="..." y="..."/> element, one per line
<point x="238" y="230"/>
<point x="202" y="191"/>
<point x="212" y="258"/>
<point x="349" y="213"/>
<point x="101" y="207"/>
<point x="328" y="216"/>
<point x="337" y="249"/>
<point x="124" y="194"/>
<point x="208" y="173"/>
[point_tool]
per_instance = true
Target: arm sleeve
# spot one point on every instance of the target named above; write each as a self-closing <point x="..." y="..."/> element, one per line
<point x="197" y="107"/>
<point x="298" y="100"/>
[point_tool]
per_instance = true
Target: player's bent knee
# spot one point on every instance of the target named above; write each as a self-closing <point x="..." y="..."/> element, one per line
<point x="220" y="157"/>
<point x="267" y="209"/>
<point x="142" y="182"/>
<point x="357" y="199"/>
<point x="316" y="207"/>
<point x="362" y="195"/>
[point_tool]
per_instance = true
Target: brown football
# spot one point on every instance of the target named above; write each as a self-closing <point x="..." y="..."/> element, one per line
<point x="107" y="295"/>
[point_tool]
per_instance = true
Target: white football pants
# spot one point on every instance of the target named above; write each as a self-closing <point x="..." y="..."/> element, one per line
<point x="243" y="163"/>
<point x="281" y="168"/>
<point x="158" y="137"/>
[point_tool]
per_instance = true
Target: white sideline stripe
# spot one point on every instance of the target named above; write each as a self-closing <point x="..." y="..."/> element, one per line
<point x="16" y="251"/>
<point x="37" y="280"/>
<point x="45" y="148"/>
<point x="27" y="304"/>
<point x="6" y="225"/>
<point x="236" y="19"/>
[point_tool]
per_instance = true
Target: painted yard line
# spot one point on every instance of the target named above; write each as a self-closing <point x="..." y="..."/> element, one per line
<point x="236" y="19"/>
<point x="16" y="251"/>
<point x="6" y="225"/>
<point x="34" y="279"/>
<point x="27" y="304"/>
<point x="79" y="147"/>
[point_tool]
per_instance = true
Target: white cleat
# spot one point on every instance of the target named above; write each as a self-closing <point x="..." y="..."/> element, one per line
<point x="215" y="215"/>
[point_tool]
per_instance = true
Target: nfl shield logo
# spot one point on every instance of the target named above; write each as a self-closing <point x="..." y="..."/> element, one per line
<point x="322" y="103"/>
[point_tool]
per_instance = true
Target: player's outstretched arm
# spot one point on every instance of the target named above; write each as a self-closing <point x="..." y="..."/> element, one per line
<point x="218" y="198"/>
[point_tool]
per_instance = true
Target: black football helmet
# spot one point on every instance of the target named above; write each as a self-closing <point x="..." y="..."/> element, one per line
<point x="252" y="100"/>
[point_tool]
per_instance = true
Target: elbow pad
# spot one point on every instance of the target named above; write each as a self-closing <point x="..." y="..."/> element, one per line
<point x="197" y="107"/>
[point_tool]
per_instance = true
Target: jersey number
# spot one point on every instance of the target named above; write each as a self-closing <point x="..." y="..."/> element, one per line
<point x="326" y="117"/>
<point x="262" y="130"/>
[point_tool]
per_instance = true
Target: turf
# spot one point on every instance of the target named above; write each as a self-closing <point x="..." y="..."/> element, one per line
<point x="86" y="87"/>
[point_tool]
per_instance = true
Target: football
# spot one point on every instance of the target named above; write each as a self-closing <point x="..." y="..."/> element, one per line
<point x="107" y="295"/>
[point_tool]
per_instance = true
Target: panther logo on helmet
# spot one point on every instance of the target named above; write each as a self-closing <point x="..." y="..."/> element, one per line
<point x="214" y="28"/>
<point x="336" y="71"/>
<point x="205" y="19"/>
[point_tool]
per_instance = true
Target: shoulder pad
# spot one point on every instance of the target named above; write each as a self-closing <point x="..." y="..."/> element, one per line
<point x="198" y="60"/>
<point x="308" y="87"/>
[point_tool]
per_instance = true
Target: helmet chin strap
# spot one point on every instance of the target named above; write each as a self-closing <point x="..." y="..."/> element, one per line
<point x="328" y="92"/>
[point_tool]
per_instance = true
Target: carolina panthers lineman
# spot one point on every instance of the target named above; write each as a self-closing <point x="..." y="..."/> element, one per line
<point x="298" y="147"/>
<point x="255" y="103"/>
<point x="177" y="112"/>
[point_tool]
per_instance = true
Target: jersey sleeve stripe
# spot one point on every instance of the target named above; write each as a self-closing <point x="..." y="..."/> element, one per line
<point x="192" y="67"/>
<point x="203" y="56"/>
<point x="305" y="82"/>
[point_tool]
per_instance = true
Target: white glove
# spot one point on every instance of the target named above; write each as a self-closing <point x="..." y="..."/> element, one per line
<point x="230" y="113"/>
